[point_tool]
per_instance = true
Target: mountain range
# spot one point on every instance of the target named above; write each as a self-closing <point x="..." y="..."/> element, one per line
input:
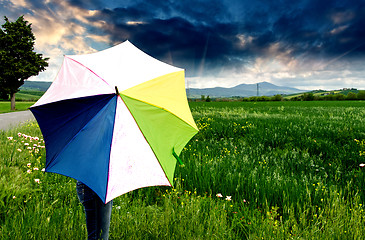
<point x="242" y="90"/>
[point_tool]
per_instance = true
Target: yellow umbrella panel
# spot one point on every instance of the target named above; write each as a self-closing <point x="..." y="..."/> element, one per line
<point x="161" y="111"/>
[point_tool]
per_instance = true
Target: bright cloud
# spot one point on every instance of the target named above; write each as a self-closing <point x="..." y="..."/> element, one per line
<point x="60" y="32"/>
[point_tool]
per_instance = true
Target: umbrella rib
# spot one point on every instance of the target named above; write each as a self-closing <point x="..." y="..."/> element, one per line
<point x="83" y="127"/>
<point x="84" y="110"/>
<point x="144" y="135"/>
<point x="110" y="146"/>
<point x="89" y="70"/>
<point x="159" y="108"/>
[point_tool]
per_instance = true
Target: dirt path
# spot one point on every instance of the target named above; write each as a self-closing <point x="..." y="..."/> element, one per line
<point x="9" y="120"/>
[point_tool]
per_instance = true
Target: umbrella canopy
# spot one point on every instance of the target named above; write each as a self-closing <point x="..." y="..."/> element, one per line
<point x="115" y="120"/>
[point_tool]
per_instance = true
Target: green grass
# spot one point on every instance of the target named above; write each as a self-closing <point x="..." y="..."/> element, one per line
<point x="291" y="170"/>
<point x="23" y="100"/>
<point x="19" y="106"/>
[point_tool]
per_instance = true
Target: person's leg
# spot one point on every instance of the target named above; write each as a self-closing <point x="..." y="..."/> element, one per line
<point x="97" y="213"/>
<point x="105" y="211"/>
<point x="91" y="204"/>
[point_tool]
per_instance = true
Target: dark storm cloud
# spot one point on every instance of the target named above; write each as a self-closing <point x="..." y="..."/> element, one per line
<point x="326" y="28"/>
<point x="186" y="38"/>
<point x="175" y="39"/>
<point x="185" y="34"/>
<point x="202" y="12"/>
<point x="87" y="4"/>
<point x="204" y="35"/>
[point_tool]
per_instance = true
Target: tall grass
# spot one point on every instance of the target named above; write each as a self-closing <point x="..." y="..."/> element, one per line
<point x="268" y="170"/>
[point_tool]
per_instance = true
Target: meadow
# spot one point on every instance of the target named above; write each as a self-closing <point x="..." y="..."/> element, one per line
<point x="23" y="100"/>
<point x="19" y="106"/>
<point x="256" y="170"/>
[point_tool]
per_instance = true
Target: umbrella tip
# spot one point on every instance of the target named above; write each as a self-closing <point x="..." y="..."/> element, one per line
<point x="116" y="90"/>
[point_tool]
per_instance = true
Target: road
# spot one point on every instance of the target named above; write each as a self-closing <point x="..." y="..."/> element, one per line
<point x="9" y="120"/>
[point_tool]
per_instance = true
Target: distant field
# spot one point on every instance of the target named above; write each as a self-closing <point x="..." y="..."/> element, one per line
<point x="28" y="95"/>
<point x="32" y="92"/>
<point x="322" y="93"/>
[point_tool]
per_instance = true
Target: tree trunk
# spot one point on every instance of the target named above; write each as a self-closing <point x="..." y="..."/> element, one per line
<point x="12" y="101"/>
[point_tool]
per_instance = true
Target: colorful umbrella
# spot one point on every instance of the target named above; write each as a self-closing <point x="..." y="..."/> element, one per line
<point x="115" y="120"/>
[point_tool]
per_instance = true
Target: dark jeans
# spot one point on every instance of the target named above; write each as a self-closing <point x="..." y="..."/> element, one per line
<point x="97" y="213"/>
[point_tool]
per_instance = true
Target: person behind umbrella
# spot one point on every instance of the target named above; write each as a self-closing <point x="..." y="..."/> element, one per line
<point x="97" y="213"/>
<point x="89" y="125"/>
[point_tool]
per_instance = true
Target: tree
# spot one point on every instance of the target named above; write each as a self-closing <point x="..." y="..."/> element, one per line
<point x="18" y="61"/>
<point x="339" y="97"/>
<point x="351" y="96"/>
<point x="3" y="95"/>
<point x="308" y="97"/>
<point x="277" y="97"/>
<point x="361" y="95"/>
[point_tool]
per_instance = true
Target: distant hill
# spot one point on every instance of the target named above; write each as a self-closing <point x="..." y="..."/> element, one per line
<point x="243" y="90"/>
<point x="35" y="85"/>
<point x="322" y="93"/>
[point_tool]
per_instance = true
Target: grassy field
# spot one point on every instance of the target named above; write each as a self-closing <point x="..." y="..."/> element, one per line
<point x="23" y="100"/>
<point x="256" y="170"/>
<point x="19" y="106"/>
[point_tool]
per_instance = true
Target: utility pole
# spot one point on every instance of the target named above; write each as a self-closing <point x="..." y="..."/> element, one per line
<point x="257" y="89"/>
<point x="187" y="89"/>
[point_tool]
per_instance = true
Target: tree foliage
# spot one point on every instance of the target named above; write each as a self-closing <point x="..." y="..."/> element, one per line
<point x="351" y="96"/>
<point x="18" y="60"/>
<point x="361" y="95"/>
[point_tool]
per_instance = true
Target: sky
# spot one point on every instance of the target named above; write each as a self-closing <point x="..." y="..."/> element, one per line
<point x="307" y="44"/>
